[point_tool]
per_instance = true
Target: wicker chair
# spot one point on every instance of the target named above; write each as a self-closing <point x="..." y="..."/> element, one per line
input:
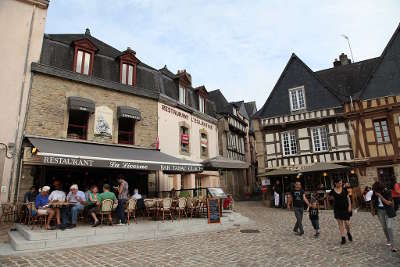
<point x="150" y="206"/>
<point x="131" y="209"/>
<point x="166" y="208"/>
<point x="181" y="207"/>
<point x="191" y="206"/>
<point x="106" y="209"/>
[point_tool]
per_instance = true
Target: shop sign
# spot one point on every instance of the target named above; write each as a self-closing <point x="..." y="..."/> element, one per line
<point x="117" y="164"/>
<point x="185" y="116"/>
<point x="185" y="139"/>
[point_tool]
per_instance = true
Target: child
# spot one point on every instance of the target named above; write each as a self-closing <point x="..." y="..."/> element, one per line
<point x="314" y="216"/>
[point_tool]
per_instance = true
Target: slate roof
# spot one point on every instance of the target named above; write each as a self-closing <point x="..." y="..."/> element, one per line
<point x="251" y="108"/>
<point x="58" y="52"/>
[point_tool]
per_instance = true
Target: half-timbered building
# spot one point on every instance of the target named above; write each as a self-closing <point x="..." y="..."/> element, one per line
<point x="374" y="118"/>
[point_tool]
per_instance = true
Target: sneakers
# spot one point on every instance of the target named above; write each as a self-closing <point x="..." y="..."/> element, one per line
<point x="343" y="240"/>
<point x="349" y="237"/>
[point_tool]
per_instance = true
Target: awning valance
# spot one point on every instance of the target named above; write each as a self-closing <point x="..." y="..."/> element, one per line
<point x="84" y="154"/>
<point x="323" y="166"/>
<point x="220" y="163"/>
<point x="280" y="172"/>
<point x="129" y="112"/>
<point x="80" y="103"/>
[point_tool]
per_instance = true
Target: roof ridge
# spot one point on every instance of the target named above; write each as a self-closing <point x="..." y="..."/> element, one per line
<point x="351" y="64"/>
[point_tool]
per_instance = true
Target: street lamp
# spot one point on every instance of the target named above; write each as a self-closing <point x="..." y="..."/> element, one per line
<point x="348" y="42"/>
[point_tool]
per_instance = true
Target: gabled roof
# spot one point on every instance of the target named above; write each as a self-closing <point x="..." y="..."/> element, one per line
<point x="296" y="73"/>
<point x="251" y="108"/>
<point x="221" y="104"/>
<point x="385" y="79"/>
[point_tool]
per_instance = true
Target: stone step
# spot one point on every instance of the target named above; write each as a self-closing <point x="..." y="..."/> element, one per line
<point x="19" y="243"/>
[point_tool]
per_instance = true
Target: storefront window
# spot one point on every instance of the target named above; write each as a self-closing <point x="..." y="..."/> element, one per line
<point x="77" y="124"/>
<point x="126" y="131"/>
<point x="184" y="136"/>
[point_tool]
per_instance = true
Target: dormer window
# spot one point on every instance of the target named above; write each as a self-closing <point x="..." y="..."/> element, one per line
<point x="297" y="98"/>
<point x="84" y="55"/>
<point x="202" y="103"/>
<point x="83" y="62"/>
<point x="182" y="94"/>
<point x="128" y="63"/>
<point x="235" y="112"/>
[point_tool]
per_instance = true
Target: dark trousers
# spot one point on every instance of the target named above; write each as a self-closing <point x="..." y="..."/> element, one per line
<point x="120" y="210"/>
<point x="315" y="224"/>
<point x="298" y="212"/>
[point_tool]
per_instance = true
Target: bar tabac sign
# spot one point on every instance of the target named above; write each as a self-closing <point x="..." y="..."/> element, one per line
<point x="117" y="164"/>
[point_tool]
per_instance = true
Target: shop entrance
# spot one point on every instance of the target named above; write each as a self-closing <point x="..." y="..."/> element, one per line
<point x="84" y="178"/>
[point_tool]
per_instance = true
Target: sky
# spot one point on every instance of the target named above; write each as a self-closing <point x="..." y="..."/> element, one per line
<point x="239" y="47"/>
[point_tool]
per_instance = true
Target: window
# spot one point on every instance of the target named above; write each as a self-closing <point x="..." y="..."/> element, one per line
<point x="289" y="143"/>
<point x="297" y="98"/>
<point x="320" y="139"/>
<point x="381" y="130"/>
<point x="77" y="124"/>
<point x="203" y="145"/>
<point x="184" y="135"/>
<point x="201" y="104"/>
<point x="127" y="74"/>
<point x="182" y="95"/>
<point x="126" y="131"/>
<point x="83" y="62"/>
<point x="235" y="111"/>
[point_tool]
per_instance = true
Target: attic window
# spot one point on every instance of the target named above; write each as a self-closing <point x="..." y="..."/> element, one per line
<point x="182" y="94"/>
<point x="202" y="103"/>
<point x="128" y="63"/>
<point x="297" y="98"/>
<point x="83" y="62"/>
<point x="83" y="57"/>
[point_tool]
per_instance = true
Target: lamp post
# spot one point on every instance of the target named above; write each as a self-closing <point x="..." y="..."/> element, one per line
<point x="348" y="42"/>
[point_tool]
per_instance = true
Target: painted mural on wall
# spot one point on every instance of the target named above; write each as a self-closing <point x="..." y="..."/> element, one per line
<point x="103" y="121"/>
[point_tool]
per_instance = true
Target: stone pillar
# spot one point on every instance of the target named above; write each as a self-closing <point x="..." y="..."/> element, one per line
<point x="177" y="182"/>
<point x="189" y="181"/>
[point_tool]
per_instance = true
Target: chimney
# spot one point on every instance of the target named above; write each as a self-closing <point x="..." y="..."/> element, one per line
<point x="87" y="31"/>
<point x="343" y="60"/>
<point x="183" y="73"/>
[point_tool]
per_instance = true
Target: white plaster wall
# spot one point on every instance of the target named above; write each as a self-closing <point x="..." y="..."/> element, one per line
<point x="302" y="132"/>
<point x="19" y="46"/>
<point x="269" y="137"/>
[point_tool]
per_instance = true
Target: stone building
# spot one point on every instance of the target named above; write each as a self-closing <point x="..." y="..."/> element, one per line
<point x="236" y="145"/>
<point x="92" y="116"/>
<point x="22" y="26"/>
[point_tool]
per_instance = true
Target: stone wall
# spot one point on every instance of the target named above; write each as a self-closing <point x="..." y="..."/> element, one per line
<point x="48" y="112"/>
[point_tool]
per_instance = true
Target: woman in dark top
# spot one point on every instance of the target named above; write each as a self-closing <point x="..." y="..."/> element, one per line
<point x="341" y="208"/>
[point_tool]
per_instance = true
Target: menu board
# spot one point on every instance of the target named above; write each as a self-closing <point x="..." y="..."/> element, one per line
<point x="213" y="210"/>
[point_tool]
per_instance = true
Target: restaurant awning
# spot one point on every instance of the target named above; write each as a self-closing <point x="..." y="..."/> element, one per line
<point x="129" y="112"/>
<point x="83" y="154"/>
<point x="220" y="163"/>
<point x="280" y="172"/>
<point x="324" y="166"/>
<point x="80" y="103"/>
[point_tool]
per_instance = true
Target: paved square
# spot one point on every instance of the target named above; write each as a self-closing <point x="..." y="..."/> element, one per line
<point x="274" y="245"/>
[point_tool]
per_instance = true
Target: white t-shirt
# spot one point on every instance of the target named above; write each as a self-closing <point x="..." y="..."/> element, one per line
<point x="57" y="195"/>
<point x="368" y="195"/>
<point x="137" y="196"/>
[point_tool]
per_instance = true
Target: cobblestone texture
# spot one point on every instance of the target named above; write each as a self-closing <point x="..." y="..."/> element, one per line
<point x="275" y="245"/>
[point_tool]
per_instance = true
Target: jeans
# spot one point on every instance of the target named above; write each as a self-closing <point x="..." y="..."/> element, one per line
<point x="315" y="224"/>
<point x="298" y="212"/>
<point x="73" y="211"/>
<point x="120" y="210"/>
<point x="387" y="225"/>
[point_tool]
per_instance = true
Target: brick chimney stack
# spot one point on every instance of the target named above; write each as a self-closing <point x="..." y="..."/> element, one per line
<point x="343" y="60"/>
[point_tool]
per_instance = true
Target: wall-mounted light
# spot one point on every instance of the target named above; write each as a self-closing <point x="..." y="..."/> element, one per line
<point x="325" y="174"/>
<point x="34" y="150"/>
<point x="10" y="149"/>
<point x="352" y="171"/>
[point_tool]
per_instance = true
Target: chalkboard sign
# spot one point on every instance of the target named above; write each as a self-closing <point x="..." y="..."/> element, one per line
<point x="213" y="210"/>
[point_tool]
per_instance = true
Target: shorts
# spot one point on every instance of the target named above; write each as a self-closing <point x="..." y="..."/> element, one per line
<point x="42" y="212"/>
<point x="343" y="215"/>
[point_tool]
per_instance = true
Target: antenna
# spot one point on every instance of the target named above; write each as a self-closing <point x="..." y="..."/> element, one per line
<point x="348" y="42"/>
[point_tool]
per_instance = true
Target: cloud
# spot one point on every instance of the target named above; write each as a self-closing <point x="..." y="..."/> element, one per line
<point x="240" y="47"/>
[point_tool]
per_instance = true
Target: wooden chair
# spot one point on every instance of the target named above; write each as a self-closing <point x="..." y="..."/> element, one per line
<point x="150" y="206"/>
<point x="165" y="208"/>
<point x="106" y="208"/>
<point x="181" y="207"/>
<point x="131" y="209"/>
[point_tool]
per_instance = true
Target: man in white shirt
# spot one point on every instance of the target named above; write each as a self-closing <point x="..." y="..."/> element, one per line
<point x="136" y="194"/>
<point x="78" y="199"/>
<point x="57" y="196"/>
<point x="368" y="196"/>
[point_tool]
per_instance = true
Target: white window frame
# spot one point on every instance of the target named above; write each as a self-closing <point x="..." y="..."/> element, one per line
<point x="182" y="94"/>
<point x="292" y="143"/>
<point x="201" y="103"/>
<point x="319" y="145"/>
<point x="296" y="93"/>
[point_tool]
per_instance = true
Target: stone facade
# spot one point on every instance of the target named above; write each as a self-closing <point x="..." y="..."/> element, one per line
<point x="48" y="112"/>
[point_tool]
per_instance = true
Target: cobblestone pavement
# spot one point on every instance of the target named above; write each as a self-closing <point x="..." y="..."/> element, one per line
<point x="274" y="245"/>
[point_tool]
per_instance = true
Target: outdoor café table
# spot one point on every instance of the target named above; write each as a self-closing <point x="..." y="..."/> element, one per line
<point x="60" y="204"/>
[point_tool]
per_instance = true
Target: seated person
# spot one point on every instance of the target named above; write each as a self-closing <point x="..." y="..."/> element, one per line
<point x="42" y="201"/>
<point x="57" y="196"/>
<point x="93" y="203"/>
<point x="79" y="201"/>
<point x="136" y="194"/>
<point x="30" y="195"/>
<point x="227" y="202"/>
<point x="107" y="195"/>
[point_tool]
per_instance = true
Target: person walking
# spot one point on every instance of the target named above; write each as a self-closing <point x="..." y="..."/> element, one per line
<point x="314" y="216"/>
<point x="122" y="198"/>
<point x="395" y="193"/>
<point x="382" y="205"/>
<point x="342" y="209"/>
<point x="277" y="193"/>
<point x="299" y="198"/>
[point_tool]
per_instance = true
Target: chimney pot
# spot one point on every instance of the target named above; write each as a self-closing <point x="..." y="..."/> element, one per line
<point x="87" y="31"/>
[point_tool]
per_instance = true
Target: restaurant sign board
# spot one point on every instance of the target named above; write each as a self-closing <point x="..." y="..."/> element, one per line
<point x="214" y="210"/>
<point x="117" y="164"/>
